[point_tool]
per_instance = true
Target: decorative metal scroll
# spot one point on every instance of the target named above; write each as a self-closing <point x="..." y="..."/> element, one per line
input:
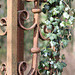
<point x="23" y="15"/>
<point x="37" y="33"/>
<point x="21" y="67"/>
<point x="3" y="69"/>
<point x="3" y="23"/>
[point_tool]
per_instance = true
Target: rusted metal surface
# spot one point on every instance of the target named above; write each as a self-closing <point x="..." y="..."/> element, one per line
<point x="37" y="34"/>
<point x="3" y="69"/>
<point x="20" y="35"/>
<point x="3" y="23"/>
<point x="15" y="37"/>
<point x="12" y="37"/>
<point x="21" y="67"/>
<point x="22" y="18"/>
<point x="20" y="41"/>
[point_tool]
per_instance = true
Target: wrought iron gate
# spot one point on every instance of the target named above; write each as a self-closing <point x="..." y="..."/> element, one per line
<point x="16" y="15"/>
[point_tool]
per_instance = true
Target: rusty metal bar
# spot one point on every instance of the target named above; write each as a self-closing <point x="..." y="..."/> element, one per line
<point x="35" y="50"/>
<point x="15" y="37"/>
<point x="11" y="37"/>
<point x="20" y="35"/>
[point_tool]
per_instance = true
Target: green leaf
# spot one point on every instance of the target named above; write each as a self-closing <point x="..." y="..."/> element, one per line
<point x="49" y="27"/>
<point x="52" y="36"/>
<point x="52" y="62"/>
<point x="65" y="42"/>
<point x="56" y="54"/>
<point x="46" y="64"/>
<point x="46" y="7"/>
<point x="59" y="21"/>
<point x="59" y="73"/>
<point x="63" y="57"/>
<point x="63" y="64"/>
<point x="55" y="66"/>
<point x="53" y="43"/>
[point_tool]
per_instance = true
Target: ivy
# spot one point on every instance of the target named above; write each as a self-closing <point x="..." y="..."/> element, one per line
<point x="59" y="18"/>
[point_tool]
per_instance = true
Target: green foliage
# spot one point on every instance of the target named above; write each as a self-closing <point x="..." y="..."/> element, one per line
<point x="59" y="20"/>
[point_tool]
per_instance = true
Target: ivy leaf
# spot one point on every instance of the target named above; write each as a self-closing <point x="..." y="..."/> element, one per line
<point x="53" y="43"/>
<point x="52" y="62"/>
<point x="66" y="15"/>
<point x="46" y="7"/>
<point x="51" y="1"/>
<point x="52" y="36"/>
<point x="67" y="8"/>
<point x="55" y="23"/>
<point x="47" y="22"/>
<point x="55" y="66"/>
<point x="59" y="21"/>
<point x="59" y="66"/>
<point x="49" y="27"/>
<point x="56" y="54"/>
<point x="46" y="64"/>
<point x="59" y="73"/>
<point x="63" y="57"/>
<point x="51" y="19"/>
<point x="63" y="64"/>
<point x="44" y="10"/>
<point x="65" y="42"/>
<point x="48" y="72"/>
<point x="49" y="53"/>
<point x="62" y="24"/>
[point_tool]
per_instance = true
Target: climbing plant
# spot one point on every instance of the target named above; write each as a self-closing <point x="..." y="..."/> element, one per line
<point x="59" y="18"/>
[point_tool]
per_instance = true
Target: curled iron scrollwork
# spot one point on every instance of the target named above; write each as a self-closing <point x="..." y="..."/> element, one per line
<point x="3" y="68"/>
<point x="24" y="15"/>
<point x="3" y="23"/>
<point x="22" y="66"/>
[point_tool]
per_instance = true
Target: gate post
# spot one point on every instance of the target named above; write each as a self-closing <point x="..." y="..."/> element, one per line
<point x="12" y="37"/>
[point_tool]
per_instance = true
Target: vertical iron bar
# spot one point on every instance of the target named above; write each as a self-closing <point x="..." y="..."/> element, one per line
<point x="35" y="39"/>
<point x="11" y="37"/>
<point x="20" y="36"/>
<point x="35" y="45"/>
